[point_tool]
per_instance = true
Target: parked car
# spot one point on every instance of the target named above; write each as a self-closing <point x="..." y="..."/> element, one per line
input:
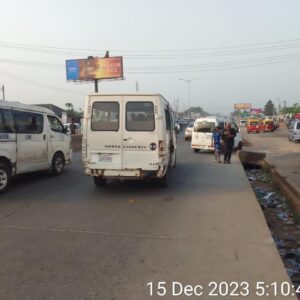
<point x="243" y="123"/>
<point x="294" y="131"/>
<point x="253" y="126"/>
<point x="188" y="131"/>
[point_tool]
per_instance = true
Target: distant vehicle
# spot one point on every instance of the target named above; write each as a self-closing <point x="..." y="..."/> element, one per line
<point x="266" y="126"/>
<point x="243" y="123"/>
<point x="253" y="126"/>
<point x="32" y="138"/>
<point x="128" y="136"/>
<point x="203" y="130"/>
<point x="77" y="126"/>
<point x="294" y="131"/>
<point x="177" y="127"/>
<point x="188" y="131"/>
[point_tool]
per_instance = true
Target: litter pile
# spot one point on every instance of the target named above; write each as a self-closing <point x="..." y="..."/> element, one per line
<point x="280" y="219"/>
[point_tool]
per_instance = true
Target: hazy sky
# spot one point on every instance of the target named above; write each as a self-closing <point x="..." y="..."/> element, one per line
<point x="239" y="50"/>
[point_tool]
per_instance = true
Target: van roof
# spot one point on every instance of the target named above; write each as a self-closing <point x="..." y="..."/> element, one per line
<point x="127" y="94"/>
<point x="18" y="105"/>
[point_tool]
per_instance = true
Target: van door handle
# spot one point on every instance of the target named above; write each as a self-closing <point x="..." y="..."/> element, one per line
<point x="125" y="140"/>
<point x="44" y="136"/>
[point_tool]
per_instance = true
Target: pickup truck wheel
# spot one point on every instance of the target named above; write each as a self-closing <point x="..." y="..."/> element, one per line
<point x="99" y="181"/>
<point x="5" y="177"/>
<point x="58" y="164"/>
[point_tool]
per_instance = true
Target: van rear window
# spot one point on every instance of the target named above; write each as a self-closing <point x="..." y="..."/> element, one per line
<point x="204" y="126"/>
<point x="105" y="116"/>
<point x="140" y="116"/>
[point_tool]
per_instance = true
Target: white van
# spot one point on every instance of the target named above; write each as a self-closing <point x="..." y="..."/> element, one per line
<point x="203" y="130"/>
<point x="129" y="136"/>
<point x="31" y="139"/>
<point x="294" y="131"/>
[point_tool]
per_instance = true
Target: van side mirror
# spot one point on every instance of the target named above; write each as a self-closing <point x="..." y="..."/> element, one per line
<point x="65" y="130"/>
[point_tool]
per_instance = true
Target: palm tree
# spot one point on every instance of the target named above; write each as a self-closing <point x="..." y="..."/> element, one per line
<point x="69" y="106"/>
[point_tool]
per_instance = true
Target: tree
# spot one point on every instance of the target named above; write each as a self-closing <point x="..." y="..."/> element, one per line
<point x="270" y="109"/>
<point x="69" y="106"/>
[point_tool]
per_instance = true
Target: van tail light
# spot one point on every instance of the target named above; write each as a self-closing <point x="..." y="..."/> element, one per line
<point x="162" y="148"/>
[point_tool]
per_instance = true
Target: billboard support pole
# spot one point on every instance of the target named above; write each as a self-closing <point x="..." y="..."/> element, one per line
<point x="96" y="85"/>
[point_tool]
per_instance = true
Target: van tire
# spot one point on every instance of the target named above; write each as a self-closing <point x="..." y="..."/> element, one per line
<point x="163" y="181"/>
<point x="173" y="160"/>
<point x="58" y="164"/>
<point x="196" y="150"/>
<point x="5" y="176"/>
<point x="99" y="181"/>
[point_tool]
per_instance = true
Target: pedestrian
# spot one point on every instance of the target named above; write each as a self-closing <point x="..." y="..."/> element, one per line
<point x="216" y="143"/>
<point x="228" y="142"/>
<point x="72" y="128"/>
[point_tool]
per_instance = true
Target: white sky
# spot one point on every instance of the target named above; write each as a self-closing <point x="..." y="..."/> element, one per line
<point x="263" y="33"/>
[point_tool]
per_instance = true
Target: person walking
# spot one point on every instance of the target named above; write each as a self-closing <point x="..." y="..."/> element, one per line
<point x="216" y="143"/>
<point x="228" y="140"/>
<point x="72" y="128"/>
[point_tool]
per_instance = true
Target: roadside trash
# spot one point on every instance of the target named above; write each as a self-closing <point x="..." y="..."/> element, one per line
<point x="283" y="216"/>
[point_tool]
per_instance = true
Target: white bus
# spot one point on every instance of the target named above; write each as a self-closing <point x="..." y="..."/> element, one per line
<point x="31" y="139"/>
<point x="129" y="136"/>
<point x="203" y="130"/>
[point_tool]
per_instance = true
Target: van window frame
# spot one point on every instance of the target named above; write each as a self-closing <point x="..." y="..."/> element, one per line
<point x="141" y="130"/>
<point x="17" y="112"/>
<point x="106" y="102"/>
<point x="54" y="117"/>
<point x="10" y="126"/>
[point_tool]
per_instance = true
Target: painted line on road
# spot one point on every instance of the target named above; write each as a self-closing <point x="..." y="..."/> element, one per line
<point x="107" y="233"/>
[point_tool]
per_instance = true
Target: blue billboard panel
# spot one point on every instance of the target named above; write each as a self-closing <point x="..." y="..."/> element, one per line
<point x="72" y="69"/>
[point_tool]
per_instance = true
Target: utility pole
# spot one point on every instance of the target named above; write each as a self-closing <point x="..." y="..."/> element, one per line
<point x="3" y="93"/>
<point x="188" y="81"/>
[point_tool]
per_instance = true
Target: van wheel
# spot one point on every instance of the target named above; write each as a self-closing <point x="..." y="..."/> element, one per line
<point x="196" y="150"/>
<point x="99" y="181"/>
<point x="5" y="177"/>
<point x="58" y="164"/>
<point x="163" y="181"/>
<point x="173" y="161"/>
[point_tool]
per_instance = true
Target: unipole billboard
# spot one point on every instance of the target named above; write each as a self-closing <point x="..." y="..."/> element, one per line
<point x="94" y="68"/>
<point x="239" y="106"/>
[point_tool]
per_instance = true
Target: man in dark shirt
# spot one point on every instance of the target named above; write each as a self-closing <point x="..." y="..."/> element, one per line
<point x="228" y="139"/>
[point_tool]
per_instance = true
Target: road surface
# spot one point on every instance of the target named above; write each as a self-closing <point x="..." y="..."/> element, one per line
<point x="63" y="238"/>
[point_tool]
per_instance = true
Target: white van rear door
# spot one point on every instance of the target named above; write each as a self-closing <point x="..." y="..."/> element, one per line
<point x="140" y="132"/>
<point x="104" y="133"/>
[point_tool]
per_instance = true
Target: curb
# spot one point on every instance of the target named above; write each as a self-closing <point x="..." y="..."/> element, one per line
<point x="283" y="185"/>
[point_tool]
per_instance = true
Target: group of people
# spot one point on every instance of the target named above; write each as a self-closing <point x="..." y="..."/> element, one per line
<point x="223" y="142"/>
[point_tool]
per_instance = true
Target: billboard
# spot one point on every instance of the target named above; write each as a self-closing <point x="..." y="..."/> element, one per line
<point x="256" y="111"/>
<point x="242" y="106"/>
<point x="94" y="68"/>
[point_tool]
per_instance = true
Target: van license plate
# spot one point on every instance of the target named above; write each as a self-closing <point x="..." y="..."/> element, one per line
<point x="105" y="157"/>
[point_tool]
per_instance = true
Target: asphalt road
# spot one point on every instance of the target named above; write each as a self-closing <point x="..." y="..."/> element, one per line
<point x="63" y="238"/>
<point x="280" y="152"/>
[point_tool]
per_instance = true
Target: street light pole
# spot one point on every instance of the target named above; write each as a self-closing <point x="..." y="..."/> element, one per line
<point x="188" y="81"/>
<point x="3" y="93"/>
